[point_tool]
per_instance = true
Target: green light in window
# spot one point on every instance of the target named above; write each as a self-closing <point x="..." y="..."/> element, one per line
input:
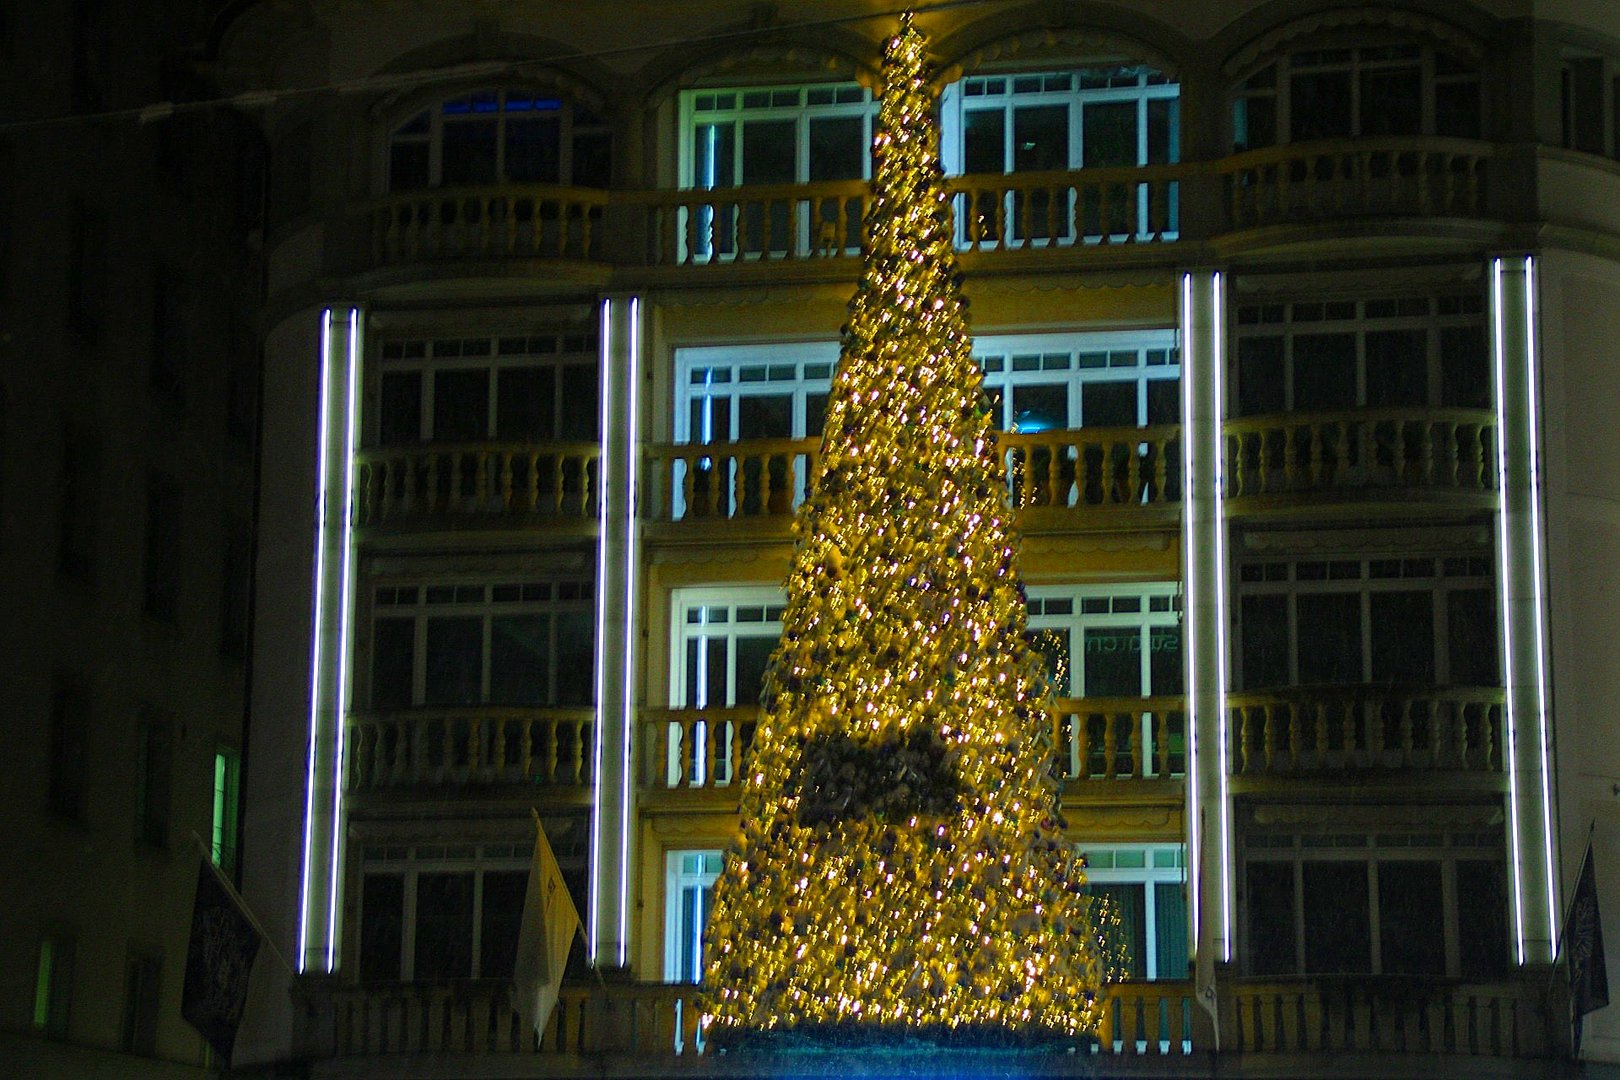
<point x="42" y="983"/>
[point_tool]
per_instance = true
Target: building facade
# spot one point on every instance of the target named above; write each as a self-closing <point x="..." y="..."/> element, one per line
<point x="1294" y="315"/>
<point x="129" y="294"/>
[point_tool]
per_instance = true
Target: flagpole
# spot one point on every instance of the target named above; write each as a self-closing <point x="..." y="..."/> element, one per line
<point x="253" y="919"/>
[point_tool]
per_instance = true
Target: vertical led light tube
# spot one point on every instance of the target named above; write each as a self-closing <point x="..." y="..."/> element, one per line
<point x="315" y="689"/>
<point x="321" y="880"/>
<point x="1512" y="410"/>
<point x="632" y="459"/>
<point x="1217" y="375"/>
<point x="1189" y="525"/>
<point x="593" y="934"/>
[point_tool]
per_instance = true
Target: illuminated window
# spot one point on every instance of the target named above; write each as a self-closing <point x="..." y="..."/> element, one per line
<point x="1146" y="888"/>
<point x="688" y="897"/>
<point x="494" y="137"/>
<point x="53" y="984"/>
<point x="224" y="836"/>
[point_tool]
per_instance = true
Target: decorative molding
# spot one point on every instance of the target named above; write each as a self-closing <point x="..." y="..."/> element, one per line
<point x="1058" y="43"/>
<point x="1269" y="44"/>
<point x="1441" y="539"/>
<point x="1316" y="817"/>
<point x="1103" y="819"/>
<point x="1356" y="283"/>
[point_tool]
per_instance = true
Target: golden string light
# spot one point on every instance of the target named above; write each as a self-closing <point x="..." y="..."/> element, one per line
<point x="900" y="863"/>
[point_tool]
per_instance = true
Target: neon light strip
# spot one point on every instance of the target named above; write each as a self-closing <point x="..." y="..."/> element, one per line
<point x="315" y="646"/>
<point x="605" y="393"/>
<point x="1533" y="380"/>
<point x="1188" y="523"/>
<point x="1500" y="358"/>
<point x="632" y="452"/>
<point x="1217" y="298"/>
<point x="345" y="613"/>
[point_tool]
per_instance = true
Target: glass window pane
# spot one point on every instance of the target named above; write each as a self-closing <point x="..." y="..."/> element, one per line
<point x="769" y="151"/>
<point x="1170" y="931"/>
<point x="1329" y="628"/>
<point x="533" y="149"/>
<point x="1041" y="138"/>
<point x="1040" y="408"/>
<point x="393" y="660"/>
<point x="576" y="666"/>
<point x="706" y="673"/>
<point x="1108" y="404"/>
<point x="501" y="917"/>
<point x="1164" y="651"/>
<point x="1324" y="372"/>
<point x="753" y="656"/>
<point x="1109" y="135"/>
<point x="1319" y="107"/>
<point x="1392" y="101"/>
<point x="1338" y="934"/>
<point x="1254" y="123"/>
<point x="400" y="419"/>
<point x="1163" y="134"/>
<point x="1482" y="908"/>
<point x="1402" y="636"/>
<point x="579" y="388"/>
<point x="837" y="148"/>
<point x="455" y="660"/>
<point x="1113" y="662"/>
<point x="1471" y="637"/>
<point x="765" y="417"/>
<point x="1265" y="641"/>
<point x="1411" y="918"/>
<point x="713" y="155"/>
<point x="593" y="159"/>
<point x="1397" y="367"/>
<point x="1053" y="647"/>
<point x="1125" y="933"/>
<point x="1456" y="110"/>
<point x="519" y="659"/>
<point x="444" y="925"/>
<point x="1465" y="377"/>
<point x="408" y="165"/>
<point x="525" y="404"/>
<point x="468" y="152"/>
<point x="382" y="926"/>
<point x="1164" y="401"/>
<point x="1260" y="375"/>
<point x="1270" y="895"/>
<point x="815" y="414"/>
<point x="460" y="405"/>
<point x="984" y="141"/>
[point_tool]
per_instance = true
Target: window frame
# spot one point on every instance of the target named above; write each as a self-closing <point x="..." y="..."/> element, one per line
<point x="1448" y="848"/>
<point x="570" y="112"/>
<point x="680" y="875"/>
<point x="1162" y="864"/>
<point x="408" y="598"/>
<point x="544" y="350"/>
<point x="693" y="112"/>
<point x="1469" y="572"/>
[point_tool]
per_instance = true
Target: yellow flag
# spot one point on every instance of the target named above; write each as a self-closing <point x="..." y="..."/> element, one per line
<point x="550" y="922"/>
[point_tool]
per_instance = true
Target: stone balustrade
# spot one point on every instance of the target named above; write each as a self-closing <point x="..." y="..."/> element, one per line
<point x="1432" y="450"/>
<point x="1315" y="729"/>
<point x="472" y="745"/>
<point x="534" y="221"/>
<point x="494" y="480"/>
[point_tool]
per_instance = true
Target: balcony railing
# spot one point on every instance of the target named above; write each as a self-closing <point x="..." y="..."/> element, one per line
<point x="1435" y="450"/>
<point x="471" y="746"/>
<point x="660" y="1021"/>
<point x="524" y="481"/>
<point x="1066" y="472"/>
<point x="1338" y="178"/>
<point x="534" y="221"/>
<point x="1092" y="739"/>
<point x="1361" y="1014"/>
<point x="1335" y="729"/>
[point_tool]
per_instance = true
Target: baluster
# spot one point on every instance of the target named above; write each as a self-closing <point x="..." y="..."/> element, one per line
<point x="1134" y="743"/>
<point x="1482" y="458"/>
<point x="1408" y="740"/>
<point x="1319" y="720"/>
<point x="1133" y="474"/>
<point x="687" y="479"/>
<point x="587" y="233"/>
<point x="433" y="482"/>
<point x="1161" y="471"/>
<point x="457" y="460"/>
<point x="1270" y="745"/>
<point x="1161" y="743"/>
<point x="1450" y="433"/>
<point x="711" y="752"/>
<point x="1317" y="469"/>
<point x="531" y="487"/>
<point x="1293" y="468"/>
<point x="1245" y="742"/>
<point x="1002" y="240"/>
<point x="1296" y="737"/>
<point x="1424" y="474"/>
<point x="1352" y="744"/>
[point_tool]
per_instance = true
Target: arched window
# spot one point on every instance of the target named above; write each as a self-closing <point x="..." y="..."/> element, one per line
<point x="1366" y="91"/>
<point x="500" y="136"/>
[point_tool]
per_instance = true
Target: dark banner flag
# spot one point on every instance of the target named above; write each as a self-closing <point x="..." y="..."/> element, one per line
<point x="1588" y="968"/>
<point x="219" y="959"/>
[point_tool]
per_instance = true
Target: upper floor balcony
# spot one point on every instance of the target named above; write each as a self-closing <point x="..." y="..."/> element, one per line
<point x="1038" y="219"/>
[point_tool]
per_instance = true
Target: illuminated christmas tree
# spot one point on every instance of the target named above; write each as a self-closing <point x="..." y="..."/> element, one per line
<point x="900" y="866"/>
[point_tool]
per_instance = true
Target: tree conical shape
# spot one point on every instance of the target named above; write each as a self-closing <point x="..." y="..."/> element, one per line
<point x="900" y="865"/>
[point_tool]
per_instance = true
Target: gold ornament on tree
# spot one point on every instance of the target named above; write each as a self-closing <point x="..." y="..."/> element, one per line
<point x="901" y="866"/>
